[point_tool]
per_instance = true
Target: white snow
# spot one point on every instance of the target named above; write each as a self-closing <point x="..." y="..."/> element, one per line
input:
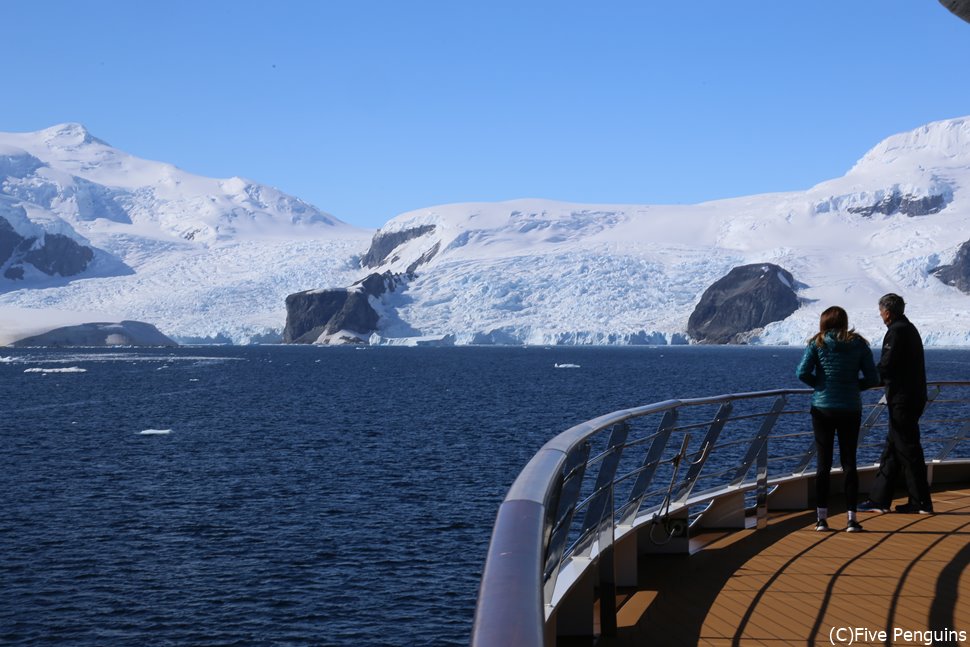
<point x="202" y="259"/>
<point x="544" y="272"/>
<point x="208" y="259"/>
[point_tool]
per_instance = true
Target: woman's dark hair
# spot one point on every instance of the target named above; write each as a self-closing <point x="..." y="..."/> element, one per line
<point x="835" y="319"/>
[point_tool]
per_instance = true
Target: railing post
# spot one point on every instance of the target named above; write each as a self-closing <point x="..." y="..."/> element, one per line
<point x="720" y="419"/>
<point x="607" y="573"/>
<point x="870" y="420"/>
<point x="761" y="490"/>
<point x="649" y="466"/>
<point x="762" y="437"/>
<point x="572" y="481"/>
<point x="601" y="503"/>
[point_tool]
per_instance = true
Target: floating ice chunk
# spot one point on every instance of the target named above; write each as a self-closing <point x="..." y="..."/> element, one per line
<point x="69" y="369"/>
<point x="557" y="365"/>
<point x="155" y="432"/>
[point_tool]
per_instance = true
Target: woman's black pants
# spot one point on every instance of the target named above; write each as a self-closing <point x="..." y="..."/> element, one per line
<point x="827" y="424"/>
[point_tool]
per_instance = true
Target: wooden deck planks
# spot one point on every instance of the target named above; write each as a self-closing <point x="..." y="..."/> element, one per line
<point x="788" y="584"/>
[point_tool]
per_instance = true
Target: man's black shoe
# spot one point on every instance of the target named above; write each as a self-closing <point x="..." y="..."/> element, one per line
<point x="912" y="508"/>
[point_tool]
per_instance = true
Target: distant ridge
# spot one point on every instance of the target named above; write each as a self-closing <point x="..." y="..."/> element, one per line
<point x="214" y="260"/>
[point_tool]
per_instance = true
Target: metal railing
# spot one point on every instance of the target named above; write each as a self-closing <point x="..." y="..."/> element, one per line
<point x="658" y="469"/>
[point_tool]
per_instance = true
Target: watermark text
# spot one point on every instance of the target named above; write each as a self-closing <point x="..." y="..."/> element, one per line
<point x="898" y="635"/>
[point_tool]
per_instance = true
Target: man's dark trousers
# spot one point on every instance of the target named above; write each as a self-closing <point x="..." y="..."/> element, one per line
<point x="904" y="453"/>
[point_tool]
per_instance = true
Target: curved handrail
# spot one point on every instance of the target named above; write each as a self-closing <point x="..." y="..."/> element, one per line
<point x="529" y="549"/>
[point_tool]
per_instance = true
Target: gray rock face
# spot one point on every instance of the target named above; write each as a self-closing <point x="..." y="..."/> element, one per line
<point x="57" y="255"/>
<point x="9" y="241"/>
<point x="957" y="274"/>
<point x="125" y="333"/>
<point x="747" y="298"/>
<point x="60" y="255"/>
<point x="383" y="244"/>
<point x="315" y="313"/>
<point x="309" y="312"/>
<point x="905" y="204"/>
<point x="18" y="164"/>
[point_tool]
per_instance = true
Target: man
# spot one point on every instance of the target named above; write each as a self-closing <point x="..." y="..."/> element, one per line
<point x="903" y="372"/>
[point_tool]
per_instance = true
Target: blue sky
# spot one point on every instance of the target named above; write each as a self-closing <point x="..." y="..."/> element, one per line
<point x="368" y="109"/>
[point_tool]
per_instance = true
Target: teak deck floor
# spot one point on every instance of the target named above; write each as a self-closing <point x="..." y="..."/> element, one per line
<point x="790" y="585"/>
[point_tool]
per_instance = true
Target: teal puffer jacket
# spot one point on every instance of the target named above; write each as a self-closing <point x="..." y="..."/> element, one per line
<point x="833" y="371"/>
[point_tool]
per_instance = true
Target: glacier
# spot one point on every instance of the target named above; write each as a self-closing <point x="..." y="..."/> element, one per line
<point x="209" y="260"/>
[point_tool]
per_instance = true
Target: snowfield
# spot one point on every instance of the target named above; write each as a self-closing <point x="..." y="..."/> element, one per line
<point x="213" y="260"/>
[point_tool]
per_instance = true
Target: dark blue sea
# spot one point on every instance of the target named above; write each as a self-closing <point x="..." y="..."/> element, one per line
<point x="277" y="495"/>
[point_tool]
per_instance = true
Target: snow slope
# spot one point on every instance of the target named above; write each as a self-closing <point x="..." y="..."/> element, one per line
<point x="545" y="272"/>
<point x="215" y="259"/>
<point x="201" y="258"/>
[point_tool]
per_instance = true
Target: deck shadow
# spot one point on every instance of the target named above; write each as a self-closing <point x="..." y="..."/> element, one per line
<point x="687" y="586"/>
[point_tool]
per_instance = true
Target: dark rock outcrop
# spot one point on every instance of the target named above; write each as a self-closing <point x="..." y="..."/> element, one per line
<point x="18" y="163"/>
<point x="907" y="205"/>
<point x="957" y="273"/>
<point x="383" y="244"/>
<point x="9" y="240"/>
<point x="424" y="258"/>
<point x="58" y="254"/>
<point x="124" y="333"/>
<point x="747" y="298"/>
<point x="314" y="314"/>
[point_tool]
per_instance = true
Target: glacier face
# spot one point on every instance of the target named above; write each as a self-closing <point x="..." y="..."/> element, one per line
<point x="203" y="259"/>
<point x="215" y="259"/>
<point x="543" y="272"/>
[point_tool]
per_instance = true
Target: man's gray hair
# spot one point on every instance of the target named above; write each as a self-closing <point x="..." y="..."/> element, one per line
<point x="892" y="303"/>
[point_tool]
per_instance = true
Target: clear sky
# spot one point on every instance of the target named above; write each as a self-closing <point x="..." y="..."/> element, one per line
<point x="368" y="109"/>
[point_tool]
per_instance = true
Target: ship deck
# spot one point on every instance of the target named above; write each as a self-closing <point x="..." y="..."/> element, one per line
<point x="788" y="584"/>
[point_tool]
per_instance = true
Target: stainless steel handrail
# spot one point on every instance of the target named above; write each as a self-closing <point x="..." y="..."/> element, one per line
<point x="570" y="504"/>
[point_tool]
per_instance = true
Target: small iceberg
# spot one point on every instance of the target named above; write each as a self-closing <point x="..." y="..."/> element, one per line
<point x="558" y="365"/>
<point x="70" y="369"/>
<point x="155" y="432"/>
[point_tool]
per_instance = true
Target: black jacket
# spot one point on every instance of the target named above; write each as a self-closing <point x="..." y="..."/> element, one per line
<point x="901" y="366"/>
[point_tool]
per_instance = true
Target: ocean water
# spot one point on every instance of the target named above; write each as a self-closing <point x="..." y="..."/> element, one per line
<point x="285" y="495"/>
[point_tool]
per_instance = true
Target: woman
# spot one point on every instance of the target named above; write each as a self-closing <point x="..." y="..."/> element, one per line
<point x="831" y="365"/>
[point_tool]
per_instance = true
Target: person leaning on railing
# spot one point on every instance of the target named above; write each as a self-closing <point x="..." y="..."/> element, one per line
<point x="831" y="365"/>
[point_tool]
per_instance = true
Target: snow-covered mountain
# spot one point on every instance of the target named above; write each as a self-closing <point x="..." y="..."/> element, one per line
<point x="202" y="258"/>
<point x="543" y="272"/>
<point x="214" y="259"/>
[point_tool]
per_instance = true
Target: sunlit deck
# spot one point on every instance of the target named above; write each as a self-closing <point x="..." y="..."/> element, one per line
<point x="621" y="531"/>
<point x="788" y="585"/>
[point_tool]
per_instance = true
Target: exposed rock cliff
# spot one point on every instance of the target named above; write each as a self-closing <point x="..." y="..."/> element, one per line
<point x="957" y="273"/>
<point x="383" y="245"/>
<point x="747" y="298"/>
<point x="125" y="333"/>
<point x="9" y="241"/>
<point x="908" y="205"/>
<point x="56" y="254"/>
<point x="336" y="316"/>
